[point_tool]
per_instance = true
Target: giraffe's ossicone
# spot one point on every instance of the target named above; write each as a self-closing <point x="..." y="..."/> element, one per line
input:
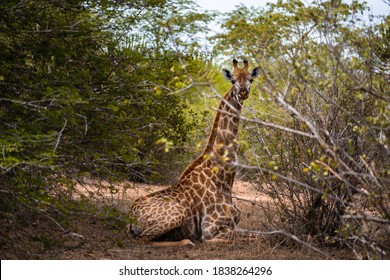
<point x="200" y="206"/>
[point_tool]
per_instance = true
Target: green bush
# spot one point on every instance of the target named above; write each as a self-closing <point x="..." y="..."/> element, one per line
<point x="82" y="95"/>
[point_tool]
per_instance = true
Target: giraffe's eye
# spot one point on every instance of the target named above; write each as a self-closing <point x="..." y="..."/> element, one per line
<point x="233" y="82"/>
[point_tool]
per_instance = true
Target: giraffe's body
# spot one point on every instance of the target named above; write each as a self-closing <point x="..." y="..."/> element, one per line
<point x="199" y="206"/>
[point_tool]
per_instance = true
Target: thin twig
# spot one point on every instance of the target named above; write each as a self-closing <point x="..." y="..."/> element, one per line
<point x="59" y="136"/>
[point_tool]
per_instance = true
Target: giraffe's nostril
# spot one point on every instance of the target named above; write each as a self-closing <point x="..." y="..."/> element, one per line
<point x="244" y="94"/>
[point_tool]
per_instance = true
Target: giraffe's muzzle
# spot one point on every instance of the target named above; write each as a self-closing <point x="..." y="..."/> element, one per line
<point x="244" y="94"/>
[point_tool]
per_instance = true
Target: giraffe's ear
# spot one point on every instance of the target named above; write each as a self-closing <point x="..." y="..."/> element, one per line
<point x="255" y="72"/>
<point x="226" y="73"/>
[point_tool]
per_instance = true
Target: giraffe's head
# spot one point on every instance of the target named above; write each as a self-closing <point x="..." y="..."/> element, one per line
<point x="241" y="78"/>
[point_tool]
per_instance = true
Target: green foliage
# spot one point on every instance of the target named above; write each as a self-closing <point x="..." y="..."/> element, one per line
<point x="78" y="97"/>
<point x="71" y="96"/>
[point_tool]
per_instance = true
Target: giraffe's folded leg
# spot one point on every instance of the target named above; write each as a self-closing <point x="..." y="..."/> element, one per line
<point x="157" y="219"/>
<point x="184" y="242"/>
<point x="246" y="234"/>
<point x="218" y="240"/>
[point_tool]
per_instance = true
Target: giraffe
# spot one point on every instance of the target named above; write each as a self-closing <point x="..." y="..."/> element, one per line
<point x="199" y="206"/>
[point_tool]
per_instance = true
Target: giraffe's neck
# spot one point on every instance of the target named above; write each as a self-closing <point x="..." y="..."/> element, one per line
<point x="220" y="154"/>
<point x="225" y="128"/>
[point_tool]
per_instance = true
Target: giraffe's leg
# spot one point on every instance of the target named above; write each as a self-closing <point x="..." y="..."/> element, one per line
<point x="247" y="234"/>
<point x="218" y="240"/>
<point x="219" y="225"/>
<point x="236" y="234"/>
<point x="183" y="242"/>
<point x="224" y="235"/>
<point x="217" y="231"/>
<point x="147" y="237"/>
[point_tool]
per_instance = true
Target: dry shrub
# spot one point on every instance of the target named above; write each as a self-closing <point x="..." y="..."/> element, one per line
<point x="319" y="130"/>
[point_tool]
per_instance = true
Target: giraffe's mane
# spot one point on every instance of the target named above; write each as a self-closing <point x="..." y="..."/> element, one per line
<point x="210" y="141"/>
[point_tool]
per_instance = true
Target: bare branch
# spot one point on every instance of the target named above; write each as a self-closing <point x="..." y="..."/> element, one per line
<point x="60" y="135"/>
